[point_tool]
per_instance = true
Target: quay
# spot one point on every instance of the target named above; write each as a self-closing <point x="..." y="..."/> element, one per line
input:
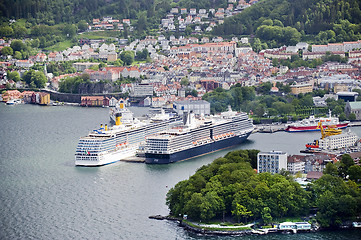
<point x="134" y="159"/>
<point x="270" y="128"/>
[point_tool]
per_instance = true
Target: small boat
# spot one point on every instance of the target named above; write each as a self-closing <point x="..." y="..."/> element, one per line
<point x="356" y="224"/>
<point x="13" y="102"/>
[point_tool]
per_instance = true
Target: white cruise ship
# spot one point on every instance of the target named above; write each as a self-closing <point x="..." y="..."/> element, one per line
<point x="107" y="145"/>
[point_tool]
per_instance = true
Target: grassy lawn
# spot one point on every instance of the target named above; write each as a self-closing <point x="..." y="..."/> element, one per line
<point x="235" y="228"/>
<point x="60" y="46"/>
<point x="99" y="34"/>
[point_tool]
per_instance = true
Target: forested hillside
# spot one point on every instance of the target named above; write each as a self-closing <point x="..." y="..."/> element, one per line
<point x="288" y="21"/>
<point x="71" y="11"/>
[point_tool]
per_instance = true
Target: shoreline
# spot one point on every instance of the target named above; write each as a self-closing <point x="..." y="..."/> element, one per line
<point x="230" y="230"/>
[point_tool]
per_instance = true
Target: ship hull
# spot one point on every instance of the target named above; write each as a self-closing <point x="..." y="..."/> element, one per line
<point x="312" y="128"/>
<point x="153" y="158"/>
<point x="105" y="159"/>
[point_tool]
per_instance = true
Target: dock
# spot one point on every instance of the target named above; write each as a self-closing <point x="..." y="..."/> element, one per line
<point x="269" y="128"/>
<point x="134" y="159"/>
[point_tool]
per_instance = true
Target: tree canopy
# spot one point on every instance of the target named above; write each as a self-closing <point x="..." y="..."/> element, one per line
<point x="229" y="186"/>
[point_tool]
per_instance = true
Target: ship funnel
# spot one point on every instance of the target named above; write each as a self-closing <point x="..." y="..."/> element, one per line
<point x="185" y="118"/>
<point x="118" y="117"/>
<point x="101" y="126"/>
<point x="188" y="118"/>
<point x="106" y="127"/>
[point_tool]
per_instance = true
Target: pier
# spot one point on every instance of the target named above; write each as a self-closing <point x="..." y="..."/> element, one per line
<point x="134" y="159"/>
<point x="269" y="128"/>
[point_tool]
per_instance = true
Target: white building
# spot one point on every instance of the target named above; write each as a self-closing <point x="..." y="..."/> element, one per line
<point x="295" y="165"/>
<point x="198" y="107"/>
<point x="141" y="90"/>
<point x="342" y="140"/>
<point x="271" y="162"/>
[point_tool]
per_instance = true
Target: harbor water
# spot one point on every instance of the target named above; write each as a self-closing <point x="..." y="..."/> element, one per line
<point x="44" y="196"/>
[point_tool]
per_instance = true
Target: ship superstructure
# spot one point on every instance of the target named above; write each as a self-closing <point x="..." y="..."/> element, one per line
<point x="312" y="124"/>
<point x="107" y="145"/>
<point x="198" y="136"/>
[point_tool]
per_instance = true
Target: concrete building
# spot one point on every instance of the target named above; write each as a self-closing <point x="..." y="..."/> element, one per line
<point x="142" y="90"/>
<point x="198" y="107"/>
<point x="348" y="96"/>
<point x="301" y="88"/>
<point x="342" y="140"/>
<point x="271" y="162"/>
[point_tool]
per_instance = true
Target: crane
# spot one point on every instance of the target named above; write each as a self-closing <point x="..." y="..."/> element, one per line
<point x="329" y="131"/>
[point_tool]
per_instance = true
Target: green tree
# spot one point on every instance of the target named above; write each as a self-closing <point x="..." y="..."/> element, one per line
<point x="18" y="45"/>
<point x="18" y="55"/>
<point x="241" y="211"/>
<point x="345" y="163"/>
<point x="13" y="76"/>
<point x="70" y="30"/>
<point x="127" y="57"/>
<point x="342" y="116"/>
<point x="331" y="169"/>
<point x="82" y="25"/>
<point x="257" y="45"/>
<point x="184" y="81"/>
<point x="6" y="31"/>
<point x="266" y="215"/>
<point x="35" y="78"/>
<point x="354" y="172"/>
<point x="352" y="117"/>
<point x="194" y="207"/>
<point x="5" y="51"/>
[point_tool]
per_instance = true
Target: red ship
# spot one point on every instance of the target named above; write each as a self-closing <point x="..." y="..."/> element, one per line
<point x="311" y="124"/>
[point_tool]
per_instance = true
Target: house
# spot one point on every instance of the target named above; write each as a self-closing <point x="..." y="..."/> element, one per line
<point x="174" y="11"/>
<point x="24" y="63"/>
<point x="126" y="21"/>
<point x="295" y="164"/>
<point x="40" y="57"/>
<point x="113" y="102"/>
<point x="55" y="57"/>
<point x="26" y="95"/>
<point x="192" y="11"/>
<point x="44" y="98"/>
<point x="147" y="102"/>
<point x="314" y="175"/>
<point x="94" y="101"/>
<point x="11" y="94"/>
<point x="41" y="98"/>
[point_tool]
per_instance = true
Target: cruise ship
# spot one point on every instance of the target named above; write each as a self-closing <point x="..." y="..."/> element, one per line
<point x="198" y="137"/>
<point x="107" y="145"/>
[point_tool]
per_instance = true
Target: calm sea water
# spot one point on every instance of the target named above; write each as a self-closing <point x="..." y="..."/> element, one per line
<point x="44" y="196"/>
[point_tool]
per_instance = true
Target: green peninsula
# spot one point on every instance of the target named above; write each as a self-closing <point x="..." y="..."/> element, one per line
<point x="230" y="190"/>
